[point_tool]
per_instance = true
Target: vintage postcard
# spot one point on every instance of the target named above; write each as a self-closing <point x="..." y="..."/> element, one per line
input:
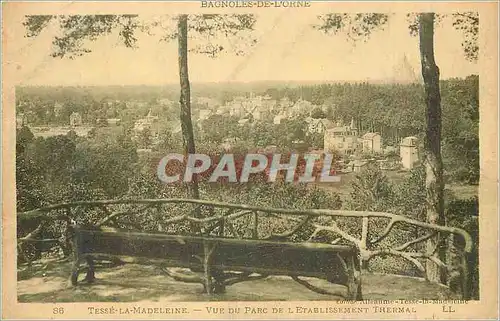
<point x="249" y="160"/>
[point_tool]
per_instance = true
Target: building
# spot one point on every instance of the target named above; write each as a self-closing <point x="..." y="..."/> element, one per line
<point x="204" y="114"/>
<point x="113" y="121"/>
<point x="21" y="120"/>
<point x="45" y="131"/>
<point x="260" y="107"/>
<point x="278" y="119"/>
<point x="108" y="121"/>
<point x="146" y="122"/>
<point x="151" y="118"/>
<point x="58" y="108"/>
<point x="136" y="104"/>
<point x="343" y="139"/>
<point x="318" y="126"/>
<point x="300" y="107"/>
<point x="372" y="143"/>
<point x="408" y="151"/>
<point x="206" y="102"/>
<point x="150" y="123"/>
<point x="75" y="120"/>
<point x="175" y="126"/>
<point x="229" y="143"/>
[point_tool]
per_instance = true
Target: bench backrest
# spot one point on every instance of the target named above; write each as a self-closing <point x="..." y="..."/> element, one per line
<point x="307" y="258"/>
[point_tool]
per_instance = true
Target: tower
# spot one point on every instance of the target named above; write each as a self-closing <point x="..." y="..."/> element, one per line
<point x="408" y="151"/>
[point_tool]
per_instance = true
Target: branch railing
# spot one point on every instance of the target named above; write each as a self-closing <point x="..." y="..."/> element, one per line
<point x="248" y="221"/>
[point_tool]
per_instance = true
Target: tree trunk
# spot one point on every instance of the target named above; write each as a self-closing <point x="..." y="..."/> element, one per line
<point x="432" y="145"/>
<point x="185" y="103"/>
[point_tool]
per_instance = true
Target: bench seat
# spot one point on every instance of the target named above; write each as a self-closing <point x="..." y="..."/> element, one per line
<point x="218" y="255"/>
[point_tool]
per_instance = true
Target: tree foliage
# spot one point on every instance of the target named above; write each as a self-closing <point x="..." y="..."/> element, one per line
<point x="371" y="190"/>
<point x="357" y="27"/>
<point x="211" y="31"/>
<point x="77" y="29"/>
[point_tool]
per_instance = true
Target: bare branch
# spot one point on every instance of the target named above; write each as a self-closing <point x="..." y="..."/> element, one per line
<point x="315" y="288"/>
<point x="183" y="277"/>
<point x="386" y="231"/>
<point x="115" y="215"/>
<point x="406" y="255"/>
<point x="410" y="243"/>
<point x="297" y="227"/>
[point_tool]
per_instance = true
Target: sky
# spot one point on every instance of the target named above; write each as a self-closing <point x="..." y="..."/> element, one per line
<point x="288" y="48"/>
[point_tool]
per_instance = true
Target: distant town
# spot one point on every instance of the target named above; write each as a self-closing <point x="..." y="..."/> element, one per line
<point x="357" y="147"/>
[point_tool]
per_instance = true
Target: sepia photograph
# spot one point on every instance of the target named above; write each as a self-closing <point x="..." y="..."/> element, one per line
<point x="279" y="154"/>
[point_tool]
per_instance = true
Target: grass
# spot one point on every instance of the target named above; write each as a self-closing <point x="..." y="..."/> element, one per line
<point x="343" y="188"/>
<point x="47" y="281"/>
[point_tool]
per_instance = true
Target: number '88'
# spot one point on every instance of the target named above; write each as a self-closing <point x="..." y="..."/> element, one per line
<point x="58" y="310"/>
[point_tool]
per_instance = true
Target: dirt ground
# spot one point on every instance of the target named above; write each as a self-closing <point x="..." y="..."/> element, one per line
<point x="47" y="281"/>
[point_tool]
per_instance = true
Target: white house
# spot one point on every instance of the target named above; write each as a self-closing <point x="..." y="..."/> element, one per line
<point x="75" y="119"/>
<point x="372" y="142"/>
<point x="58" y="108"/>
<point x="408" y="150"/>
<point x="278" y="119"/>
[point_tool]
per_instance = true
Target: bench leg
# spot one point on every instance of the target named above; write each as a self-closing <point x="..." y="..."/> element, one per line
<point x="218" y="285"/>
<point x="359" y="296"/>
<point x="208" y="251"/>
<point x="90" y="277"/>
<point x="208" y="280"/>
<point x="353" y="281"/>
<point x="75" y="271"/>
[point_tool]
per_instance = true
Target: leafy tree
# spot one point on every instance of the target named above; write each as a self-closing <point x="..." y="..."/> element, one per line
<point x="29" y="174"/>
<point x="168" y="142"/>
<point x="104" y="165"/>
<point x="24" y="137"/>
<point x="464" y="213"/>
<point x="371" y="190"/>
<point x="410" y="195"/>
<point x="145" y="138"/>
<point x="317" y="113"/>
<point x="218" y="127"/>
<point x="460" y="98"/>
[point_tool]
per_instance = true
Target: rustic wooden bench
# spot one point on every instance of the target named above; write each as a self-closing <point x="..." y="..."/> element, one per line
<point x="224" y="261"/>
<point x="230" y="243"/>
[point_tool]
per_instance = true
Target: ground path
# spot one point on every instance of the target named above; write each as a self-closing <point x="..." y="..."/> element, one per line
<point x="47" y="281"/>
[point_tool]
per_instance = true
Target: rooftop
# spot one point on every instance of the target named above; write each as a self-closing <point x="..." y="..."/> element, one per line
<point x="370" y="135"/>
